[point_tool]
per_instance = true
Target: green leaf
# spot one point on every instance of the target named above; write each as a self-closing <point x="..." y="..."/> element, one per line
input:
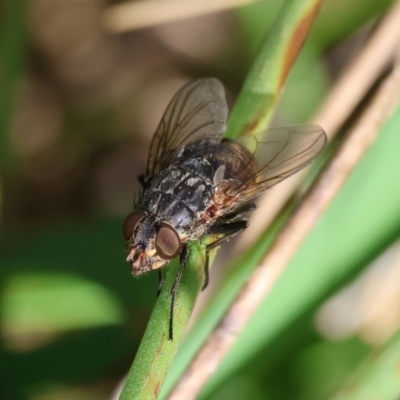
<point x="28" y="304"/>
<point x="378" y="377"/>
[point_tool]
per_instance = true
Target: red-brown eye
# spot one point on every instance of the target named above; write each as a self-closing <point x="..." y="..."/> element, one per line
<point x="168" y="242"/>
<point x="130" y="223"/>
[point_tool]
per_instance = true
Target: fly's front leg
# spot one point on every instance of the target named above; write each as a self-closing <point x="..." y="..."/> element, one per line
<point x="229" y="230"/>
<point x="142" y="181"/>
<point x="174" y="290"/>
<point x="160" y="282"/>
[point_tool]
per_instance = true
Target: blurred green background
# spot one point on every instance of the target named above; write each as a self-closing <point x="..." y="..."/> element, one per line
<point x="78" y="108"/>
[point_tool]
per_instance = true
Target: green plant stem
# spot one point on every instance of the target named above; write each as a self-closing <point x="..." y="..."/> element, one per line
<point x="156" y="352"/>
<point x="256" y="104"/>
<point x="251" y="114"/>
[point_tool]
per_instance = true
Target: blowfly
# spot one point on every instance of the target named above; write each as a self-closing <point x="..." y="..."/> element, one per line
<point x="199" y="184"/>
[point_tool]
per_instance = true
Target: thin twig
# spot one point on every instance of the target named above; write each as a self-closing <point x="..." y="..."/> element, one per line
<point x="142" y="14"/>
<point x="290" y="239"/>
<point x="347" y="93"/>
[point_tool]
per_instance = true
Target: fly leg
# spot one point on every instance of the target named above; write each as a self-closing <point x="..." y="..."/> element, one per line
<point x="142" y="181"/>
<point x="160" y="281"/>
<point x="174" y="290"/>
<point x="239" y="212"/>
<point x="229" y="230"/>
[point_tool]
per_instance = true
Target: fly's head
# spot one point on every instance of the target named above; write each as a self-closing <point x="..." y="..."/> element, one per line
<point x="151" y="243"/>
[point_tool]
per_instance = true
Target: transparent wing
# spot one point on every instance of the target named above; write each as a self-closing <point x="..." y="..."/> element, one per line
<point x="284" y="152"/>
<point x="198" y="110"/>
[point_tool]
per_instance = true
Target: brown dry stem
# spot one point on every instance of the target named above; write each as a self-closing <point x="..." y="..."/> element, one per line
<point x="361" y="74"/>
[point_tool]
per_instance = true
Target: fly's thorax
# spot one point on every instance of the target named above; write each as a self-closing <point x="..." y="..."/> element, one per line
<point x="180" y="193"/>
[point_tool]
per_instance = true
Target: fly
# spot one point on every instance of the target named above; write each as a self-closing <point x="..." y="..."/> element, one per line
<point x="198" y="184"/>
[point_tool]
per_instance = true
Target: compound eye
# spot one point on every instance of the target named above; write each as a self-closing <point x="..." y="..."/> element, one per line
<point x="168" y="242"/>
<point x="130" y="223"/>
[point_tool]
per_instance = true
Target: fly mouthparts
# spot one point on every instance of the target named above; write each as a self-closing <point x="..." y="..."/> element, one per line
<point x="132" y="256"/>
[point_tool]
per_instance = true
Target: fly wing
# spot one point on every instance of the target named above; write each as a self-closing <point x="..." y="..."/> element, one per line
<point x="284" y="152"/>
<point x="198" y="110"/>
